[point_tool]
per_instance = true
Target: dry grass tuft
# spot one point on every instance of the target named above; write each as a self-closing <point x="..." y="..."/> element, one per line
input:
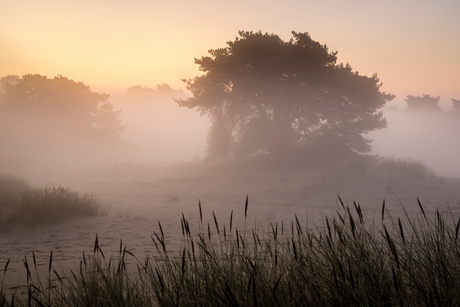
<point x="22" y="205"/>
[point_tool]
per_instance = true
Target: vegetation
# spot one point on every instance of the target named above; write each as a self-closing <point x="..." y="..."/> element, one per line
<point x="456" y="106"/>
<point x="22" y="205"/>
<point x="349" y="261"/>
<point x="269" y="96"/>
<point x="425" y="103"/>
<point x="40" y="103"/>
<point x="408" y="166"/>
<point x="161" y="91"/>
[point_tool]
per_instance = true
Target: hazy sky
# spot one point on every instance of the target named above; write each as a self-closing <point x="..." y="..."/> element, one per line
<point x="413" y="45"/>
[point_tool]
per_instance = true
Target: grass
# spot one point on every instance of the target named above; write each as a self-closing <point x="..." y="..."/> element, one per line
<point x="408" y="166"/>
<point x="21" y="204"/>
<point x="350" y="261"/>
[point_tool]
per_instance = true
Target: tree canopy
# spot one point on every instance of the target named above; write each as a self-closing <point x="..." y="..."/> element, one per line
<point x="60" y="103"/>
<point x="425" y="103"/>
<point x="269" y="96"/>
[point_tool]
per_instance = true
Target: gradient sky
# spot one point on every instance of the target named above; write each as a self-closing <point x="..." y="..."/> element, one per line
<point x="413" y="45"/>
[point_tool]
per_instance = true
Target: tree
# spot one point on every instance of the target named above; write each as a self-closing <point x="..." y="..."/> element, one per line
<point x="269" y="96"/>
<point x="160" y="90"/>
<point x="60" y="103"/>
<point x="456" y="106"/>
<point x="425" y="103"/>
<point x="4" y="82"/>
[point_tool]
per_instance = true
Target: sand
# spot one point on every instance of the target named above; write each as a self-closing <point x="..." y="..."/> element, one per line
<point x="136" y="202"/>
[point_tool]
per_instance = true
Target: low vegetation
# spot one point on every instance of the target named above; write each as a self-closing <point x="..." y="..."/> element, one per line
<point x="21" y="204"/>
<point x="349" y="261"/>
<point x="408" y="166"/>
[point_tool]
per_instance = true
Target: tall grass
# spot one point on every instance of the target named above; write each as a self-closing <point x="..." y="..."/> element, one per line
<point x="23" y="205"/>
<point x="349" y="261"/>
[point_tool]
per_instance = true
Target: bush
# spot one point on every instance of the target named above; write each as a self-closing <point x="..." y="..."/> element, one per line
<point x="22" y="205"/>
<point x="408" y="166"/>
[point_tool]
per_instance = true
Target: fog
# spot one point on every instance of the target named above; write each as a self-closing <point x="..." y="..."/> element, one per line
<point x="155" y="123"/>
<point x="159" y="131"/>
<point x="155" y="173"/>
<point x="433" y="138"/>
<point x="152" y="165"/>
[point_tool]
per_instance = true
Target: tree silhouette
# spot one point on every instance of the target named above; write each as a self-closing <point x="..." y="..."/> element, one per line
<point x="163" y="89"/>
<point x="59" y="103"/>
<point x="5" y="81"/>
<point x="269" y="96"/>
<point x="456" y="106"/>
<point x="425" y="103"/>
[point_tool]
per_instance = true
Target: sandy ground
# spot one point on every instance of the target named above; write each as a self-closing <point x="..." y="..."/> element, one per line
<point x="136" y="202"/>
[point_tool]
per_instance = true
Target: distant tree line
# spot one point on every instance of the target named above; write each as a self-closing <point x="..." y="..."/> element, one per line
<point x="160" y="90"/>
<point x="38" y="103"/>
<point x="429" y="104"/>
<point x="58" y="103"/>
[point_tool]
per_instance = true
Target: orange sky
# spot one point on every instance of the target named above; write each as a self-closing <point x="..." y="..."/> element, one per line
<point x="413" y="45"/>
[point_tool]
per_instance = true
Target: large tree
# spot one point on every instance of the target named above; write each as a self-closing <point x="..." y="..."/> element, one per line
<point x="269" y="96"/>
<point x="58" y="103"/>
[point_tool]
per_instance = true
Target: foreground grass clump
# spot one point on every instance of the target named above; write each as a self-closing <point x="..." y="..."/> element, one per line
<point x="22" y="205"/>
<point x="350" y="261"/>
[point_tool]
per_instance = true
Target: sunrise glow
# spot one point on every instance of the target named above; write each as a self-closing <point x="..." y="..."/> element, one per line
<point x="112" y="45"/>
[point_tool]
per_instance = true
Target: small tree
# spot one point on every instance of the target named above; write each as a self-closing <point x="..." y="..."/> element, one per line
<point x="269" y="96"/>
<point x="60" y="103"/>
<point x="425" y="103"/>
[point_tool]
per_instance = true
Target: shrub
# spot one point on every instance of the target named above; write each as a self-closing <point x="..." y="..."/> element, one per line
<point x="23" y="205"/>
<point x="407" y="166"/>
